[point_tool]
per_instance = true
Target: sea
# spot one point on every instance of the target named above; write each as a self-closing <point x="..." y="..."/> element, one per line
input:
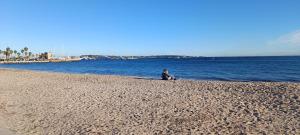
<point x="271" y="69"/>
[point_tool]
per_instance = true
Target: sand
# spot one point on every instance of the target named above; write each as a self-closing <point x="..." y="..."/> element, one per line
<point x="40" y="103"/>
<point x="4" y="129"/>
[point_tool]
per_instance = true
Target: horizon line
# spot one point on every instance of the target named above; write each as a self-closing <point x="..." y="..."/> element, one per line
<point x="296" y="55"/>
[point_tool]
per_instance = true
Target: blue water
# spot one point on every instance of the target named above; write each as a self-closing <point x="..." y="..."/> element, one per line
<point x="206" y="68"/>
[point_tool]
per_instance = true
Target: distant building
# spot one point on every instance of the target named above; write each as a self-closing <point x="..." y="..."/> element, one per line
<point x="46" y="56"/>
<point x="36" y="56"/>
<point x="49" y="55"/>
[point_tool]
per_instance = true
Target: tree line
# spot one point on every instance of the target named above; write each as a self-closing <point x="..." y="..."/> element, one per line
<point x="24" y="54"/>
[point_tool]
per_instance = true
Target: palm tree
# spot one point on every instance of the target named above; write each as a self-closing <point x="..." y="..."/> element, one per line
<point x="7" y="49"/>
<point x="11" y="52"/>
<point x="26" y="52"/>
<point x="15" y="53"/>
<point x="22" y="51"/>
<point x="26" y="49"/>
<point x="7" y="52"/>
<point x="18" y="54"/>
<point x="1" y="53"/>
<point x="30" y="54"/>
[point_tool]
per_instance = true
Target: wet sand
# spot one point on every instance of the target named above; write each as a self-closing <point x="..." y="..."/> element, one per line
<point x="38" y="103"/>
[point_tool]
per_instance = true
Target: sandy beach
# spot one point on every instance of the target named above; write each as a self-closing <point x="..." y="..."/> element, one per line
<point x="41" y="103"/>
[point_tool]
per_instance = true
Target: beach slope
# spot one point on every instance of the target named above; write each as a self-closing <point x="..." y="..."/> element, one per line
<point x="34" y="103"/>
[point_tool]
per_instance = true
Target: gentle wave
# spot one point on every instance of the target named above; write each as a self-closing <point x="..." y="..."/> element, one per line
<point x="207" y="68"/>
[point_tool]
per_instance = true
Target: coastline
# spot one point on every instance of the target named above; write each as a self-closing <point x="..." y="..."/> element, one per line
<point x="22" y="62"/>
<point x="147" y="77"/>
<point x="45" y="61"/>
<point x="34" y="102"/>
<point x="235" y="69"/>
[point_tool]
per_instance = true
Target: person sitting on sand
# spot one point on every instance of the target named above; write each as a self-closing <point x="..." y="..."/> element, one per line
<point x="165" y="75"/>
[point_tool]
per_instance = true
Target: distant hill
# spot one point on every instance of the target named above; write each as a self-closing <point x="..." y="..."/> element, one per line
<point x="135" y="57"/>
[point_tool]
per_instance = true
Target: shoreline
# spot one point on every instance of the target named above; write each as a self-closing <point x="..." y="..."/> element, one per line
<point x="22" y="62"/>
<point x="146" y="77"/>
<point x="34" y="102"/>
<point x="45" y="61"/>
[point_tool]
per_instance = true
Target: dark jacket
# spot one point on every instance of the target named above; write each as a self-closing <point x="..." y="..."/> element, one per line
<point x="165" y="76"/>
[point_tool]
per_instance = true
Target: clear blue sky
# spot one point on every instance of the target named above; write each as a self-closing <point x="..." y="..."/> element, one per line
<point x="152" y="27"/>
